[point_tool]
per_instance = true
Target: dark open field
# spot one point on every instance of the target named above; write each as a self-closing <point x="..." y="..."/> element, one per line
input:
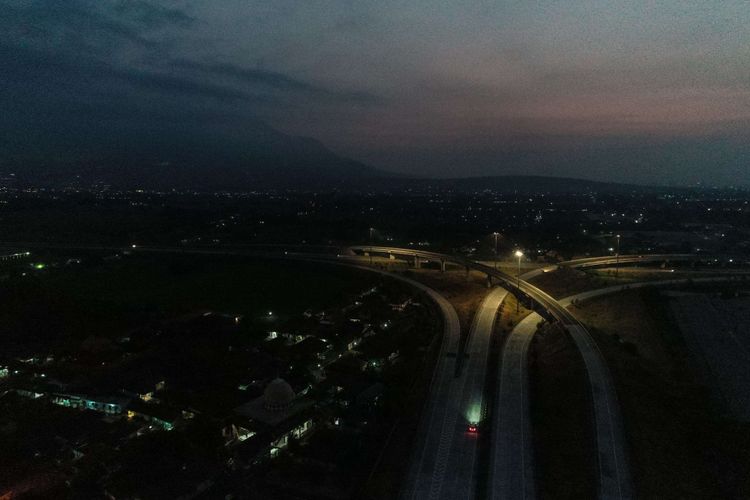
<point x="681" y="444"/>
<point x="106" y="298"/>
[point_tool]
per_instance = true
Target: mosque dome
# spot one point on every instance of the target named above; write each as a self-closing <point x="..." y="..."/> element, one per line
<point x="278" y="395"/>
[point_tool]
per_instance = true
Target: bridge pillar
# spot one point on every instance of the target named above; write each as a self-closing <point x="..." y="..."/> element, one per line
<point x="417" y="262"/>
<point x="442" y="265"/>
<point x="489" y="281"/>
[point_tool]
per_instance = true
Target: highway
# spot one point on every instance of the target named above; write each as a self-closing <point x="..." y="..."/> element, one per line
<point x="628" y="259"/>
<point x="512" y="465"/>
<point x="439" y="416"/>
<point x="433" y="445"/>
<point x="442" y="417"/>
<point x="14" y="256"/>
<point x="614" y="474"/>
<point x="614" y="480"/>
<point x="580" y="297"/>
<point x="511" y="456"/>
<point x="444" y="456"/>
<point x="444" y="464"/>
<point x="608" y="260"/>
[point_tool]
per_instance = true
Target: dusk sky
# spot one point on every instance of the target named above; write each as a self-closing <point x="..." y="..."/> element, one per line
<point x="647" y="92"/>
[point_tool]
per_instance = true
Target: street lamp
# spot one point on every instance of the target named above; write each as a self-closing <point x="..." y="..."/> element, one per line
<point x="518" y="254"/>
<point x="617" y="258"/>
<point x="495" y="234"/>
<point x="372" y="229"/>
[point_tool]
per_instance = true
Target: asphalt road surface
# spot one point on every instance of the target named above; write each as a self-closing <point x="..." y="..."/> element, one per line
<point x="608" y="261"/>
<point x="445" y="459"/>
<point x="511" y="460"/>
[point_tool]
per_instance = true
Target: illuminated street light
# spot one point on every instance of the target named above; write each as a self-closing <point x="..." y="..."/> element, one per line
<point x="617" y="257"/>
<point x="372" y="230"/>
<point x="495" y="234"/>
<point x="518" y="254"/>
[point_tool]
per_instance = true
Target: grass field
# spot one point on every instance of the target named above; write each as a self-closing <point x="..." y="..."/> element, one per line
<point x="108" y="298"/>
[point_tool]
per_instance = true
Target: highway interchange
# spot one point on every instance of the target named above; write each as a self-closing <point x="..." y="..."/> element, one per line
<point x="614" y="480"/>
<point x="444" y="460"/>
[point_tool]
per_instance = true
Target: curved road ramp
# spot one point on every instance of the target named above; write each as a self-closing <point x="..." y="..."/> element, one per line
<point x="614" y="474"/>
<point x="511" y="459"/>
<point x="443" y="465"/>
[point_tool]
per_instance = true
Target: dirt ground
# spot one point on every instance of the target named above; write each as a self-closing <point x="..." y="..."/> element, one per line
<point x="464" y="292"/>
<point x="566" y="281"/>
<point x="680" y="445"/>
<point x="561" y="419"/>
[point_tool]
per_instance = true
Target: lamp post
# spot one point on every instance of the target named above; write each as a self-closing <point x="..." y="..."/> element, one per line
<point x="518" y="254"/>
<point x="495" y="234"/>
<point x="617" y="258"/>
<point x="371" y="231"/>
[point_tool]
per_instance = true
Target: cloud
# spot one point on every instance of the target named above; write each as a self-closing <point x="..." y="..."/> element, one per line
<point x="152" y="15"/>
<point x="274" y="80"/>
<point x="67" y="25"/>
<point x="57" y="76"/>
<point x="398" y="84"/>
<point x="105" y="47"/>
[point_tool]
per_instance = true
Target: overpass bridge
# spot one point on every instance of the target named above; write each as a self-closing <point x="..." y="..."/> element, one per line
<point x="614" y="476"/>
<point x="614" y="480"/>
<point x="14" y="256"/>
<point x="611" y="260"/>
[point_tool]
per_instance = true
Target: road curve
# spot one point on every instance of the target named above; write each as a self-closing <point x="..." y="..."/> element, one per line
<point x="614" y="480"/>
<point x="442" y="415"/>
<point x="580" y="297"/>
<point x="431" y="473"/>
<point x="441" y="418"/>
<point x="432" y="443"/>
<point x="511" y="459"/>
<point x="435" y="471"/>
<point x="608" y="260"/>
